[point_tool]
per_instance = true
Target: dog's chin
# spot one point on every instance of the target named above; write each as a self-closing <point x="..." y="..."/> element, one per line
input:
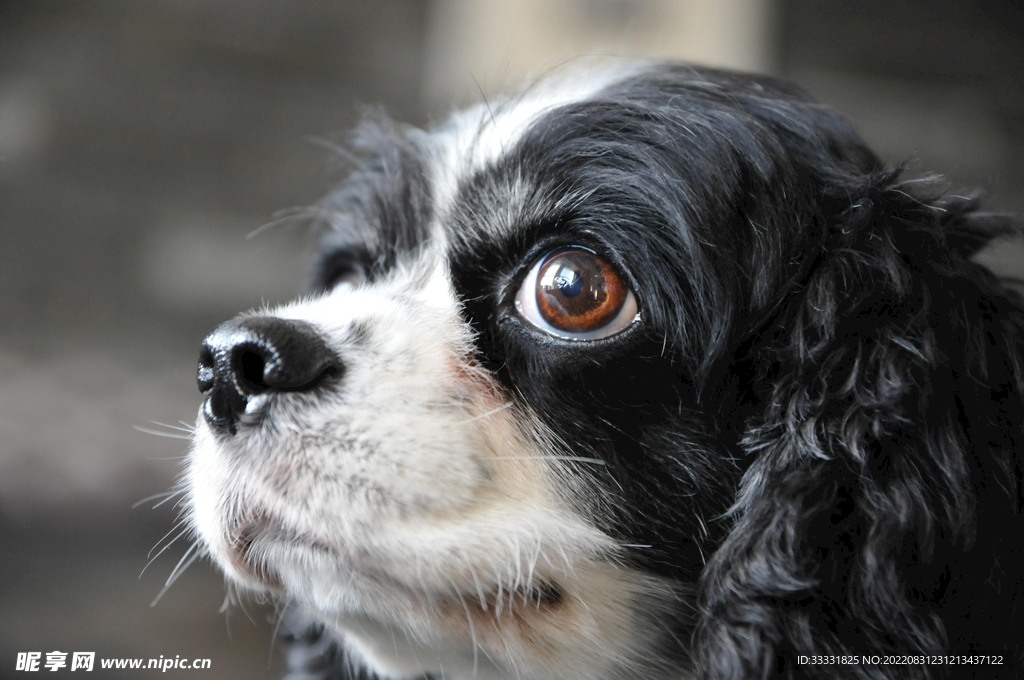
<point x="341" y="580"/>
<point x="260" y="548"/>
<point x="483" y="629"/>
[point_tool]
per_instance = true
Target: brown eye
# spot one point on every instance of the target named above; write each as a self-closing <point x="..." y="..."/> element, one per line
<point x="573" y="293"/>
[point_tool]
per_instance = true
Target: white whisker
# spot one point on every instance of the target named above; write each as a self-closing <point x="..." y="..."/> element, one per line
<point x="177" y="525"/>
<point x="518" y="555"/>
<point x="169" y="497"/>
<point x="472" y="632"/>
<point x="335" y="148"/>
<point x="179" y="569"/>
<point x="190" y="555"/>
<point x="163" y="494"/>
<point x="291" y="215"/>
<point x="158" y="433"/>
<point x="161" y="552"/>
<point x="488" y="414"/>
<point x="280" y="612"/>
<point x="575" y="459"/>
<point x="479" y="588"/>
<point x="187" y="428"/>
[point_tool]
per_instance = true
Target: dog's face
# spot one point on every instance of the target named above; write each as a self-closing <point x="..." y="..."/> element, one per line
<point x="505" y="434"/>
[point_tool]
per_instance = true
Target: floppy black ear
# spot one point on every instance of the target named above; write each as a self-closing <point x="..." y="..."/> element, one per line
<point x="882" y="510"/>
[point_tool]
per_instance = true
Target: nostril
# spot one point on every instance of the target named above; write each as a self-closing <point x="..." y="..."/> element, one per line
<point x="250" y="367"/>
<point x="204" y="374"/>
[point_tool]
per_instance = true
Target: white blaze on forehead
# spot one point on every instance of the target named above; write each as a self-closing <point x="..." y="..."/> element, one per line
<point x="477" y="137"/>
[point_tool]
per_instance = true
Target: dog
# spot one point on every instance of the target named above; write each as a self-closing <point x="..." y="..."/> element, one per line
<point x="657" y="372"/>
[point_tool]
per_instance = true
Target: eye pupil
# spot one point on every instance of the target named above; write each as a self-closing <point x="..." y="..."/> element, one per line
<point x="570" y="283"/>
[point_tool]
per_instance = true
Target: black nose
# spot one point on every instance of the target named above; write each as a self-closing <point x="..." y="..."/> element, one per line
<point x="244" y="360"/>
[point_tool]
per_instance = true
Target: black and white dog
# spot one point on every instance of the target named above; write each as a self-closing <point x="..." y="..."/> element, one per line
<point x="653" y="374"/>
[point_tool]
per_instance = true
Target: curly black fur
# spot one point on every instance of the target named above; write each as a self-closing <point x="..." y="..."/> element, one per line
<point x="883" y="511"/>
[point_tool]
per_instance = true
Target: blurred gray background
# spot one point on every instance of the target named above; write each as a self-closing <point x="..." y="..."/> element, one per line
<point x="141" y="142"/>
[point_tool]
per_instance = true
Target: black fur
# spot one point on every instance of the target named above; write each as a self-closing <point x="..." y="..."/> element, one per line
<point x="382" y="210"/>
<point x="817" y="427"/>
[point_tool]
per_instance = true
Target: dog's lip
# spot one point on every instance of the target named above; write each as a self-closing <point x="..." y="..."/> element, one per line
<point x="242" y="540"/>
<point x="249" y="538"/>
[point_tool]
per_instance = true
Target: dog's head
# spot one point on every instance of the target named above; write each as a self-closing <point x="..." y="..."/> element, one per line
<point x="626" y="376"/>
